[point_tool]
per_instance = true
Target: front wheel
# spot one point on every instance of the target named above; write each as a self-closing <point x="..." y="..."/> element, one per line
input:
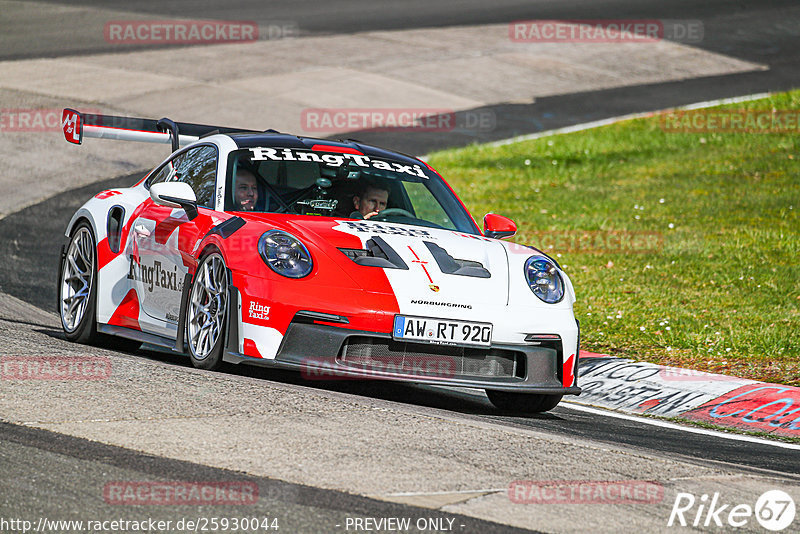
<point x="77" y="291"/>
<point x="523" y="402"/>
<point x="207" y="312"/>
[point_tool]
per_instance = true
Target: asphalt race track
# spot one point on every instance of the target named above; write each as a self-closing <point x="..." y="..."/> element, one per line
<point x="58" y="457"/>
<point x="49" y="471"/>
<point x="763" y="32"/>
<point x="38" y="261"/>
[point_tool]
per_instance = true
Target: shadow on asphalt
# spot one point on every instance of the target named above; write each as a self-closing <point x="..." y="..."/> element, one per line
<point x="50" y="332"/>
<point x="47" y="331"/>
<point x="412" y="394"/>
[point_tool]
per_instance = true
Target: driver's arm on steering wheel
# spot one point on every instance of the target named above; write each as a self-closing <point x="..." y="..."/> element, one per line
<point x="357" y="215"/>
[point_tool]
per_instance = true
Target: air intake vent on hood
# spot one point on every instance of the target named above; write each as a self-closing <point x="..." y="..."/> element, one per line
<point x="377" y="254"/>
<point x="451" y="265"/>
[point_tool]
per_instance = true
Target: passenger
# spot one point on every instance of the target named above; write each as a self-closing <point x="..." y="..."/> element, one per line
<point x="245" y="192"/>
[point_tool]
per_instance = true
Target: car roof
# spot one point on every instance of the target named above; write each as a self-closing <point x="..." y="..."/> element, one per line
<point x="251" y="140"/>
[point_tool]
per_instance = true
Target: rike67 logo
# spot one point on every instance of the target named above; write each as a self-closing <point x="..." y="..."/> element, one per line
<point x="774" y="510"/>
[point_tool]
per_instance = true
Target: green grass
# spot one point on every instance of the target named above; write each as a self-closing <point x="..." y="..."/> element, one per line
<point x="714" y="286"/>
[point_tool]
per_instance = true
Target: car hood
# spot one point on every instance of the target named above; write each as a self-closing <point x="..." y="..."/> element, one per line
<point x="442" y="268"/>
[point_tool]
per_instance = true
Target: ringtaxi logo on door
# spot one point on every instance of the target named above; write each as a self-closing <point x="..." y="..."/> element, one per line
<point x="774" y="510"/>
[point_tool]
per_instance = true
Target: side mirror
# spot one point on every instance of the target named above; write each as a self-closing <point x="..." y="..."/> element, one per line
<point x="497" y="226"/>
<point x="175" y="195"/>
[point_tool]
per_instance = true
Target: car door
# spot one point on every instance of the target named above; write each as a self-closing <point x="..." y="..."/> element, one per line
<point x="165" y="239"/>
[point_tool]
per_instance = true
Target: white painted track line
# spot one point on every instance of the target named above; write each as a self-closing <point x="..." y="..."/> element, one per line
<point x="674" y="426"/>
<point x="649" y="421"/>
<point x="613" y="120"/>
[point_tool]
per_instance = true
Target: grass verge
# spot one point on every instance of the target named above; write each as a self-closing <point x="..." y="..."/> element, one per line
<point x="684" y="248"/>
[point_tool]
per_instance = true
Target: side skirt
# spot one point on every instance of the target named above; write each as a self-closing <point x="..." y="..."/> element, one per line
<point x="138" y="335"/>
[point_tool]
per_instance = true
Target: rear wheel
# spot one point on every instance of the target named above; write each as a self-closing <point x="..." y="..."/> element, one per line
<point x="77" y="294"/>
<point x="523" y="402"/>
<point x="207" y="312"/>
<point x="77" y="291"/>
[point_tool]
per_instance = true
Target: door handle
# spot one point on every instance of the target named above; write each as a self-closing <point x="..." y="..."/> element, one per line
<point x="141" y="230"/>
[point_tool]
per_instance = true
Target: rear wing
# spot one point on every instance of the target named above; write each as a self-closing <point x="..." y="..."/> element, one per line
<point x="77" y="125"/>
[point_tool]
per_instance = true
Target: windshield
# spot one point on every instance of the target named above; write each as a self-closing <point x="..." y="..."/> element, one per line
<point x="305" y="182"/>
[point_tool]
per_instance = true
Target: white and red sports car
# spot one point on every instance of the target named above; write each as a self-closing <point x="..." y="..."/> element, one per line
<point x="335" y="258"/>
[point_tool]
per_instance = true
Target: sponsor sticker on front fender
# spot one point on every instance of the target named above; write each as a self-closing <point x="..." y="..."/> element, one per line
<point x="442" y="331"/>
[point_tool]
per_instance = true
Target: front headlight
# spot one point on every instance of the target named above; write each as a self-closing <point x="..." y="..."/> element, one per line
<point x="285" y="254"/>
<point x="544" y="279"/>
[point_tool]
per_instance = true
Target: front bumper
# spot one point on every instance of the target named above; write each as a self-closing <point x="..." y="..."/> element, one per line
<point x="326" y="352"/>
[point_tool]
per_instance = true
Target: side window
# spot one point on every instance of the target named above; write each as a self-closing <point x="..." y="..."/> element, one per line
<point x="162" y="175"/>
<point x="198" y="168"/>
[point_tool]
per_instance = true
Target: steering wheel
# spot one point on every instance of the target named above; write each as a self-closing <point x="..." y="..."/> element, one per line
<point x="393" y="211"/>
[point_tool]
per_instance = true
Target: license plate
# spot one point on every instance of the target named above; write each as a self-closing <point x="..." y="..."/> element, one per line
<point x="442" y="331"/>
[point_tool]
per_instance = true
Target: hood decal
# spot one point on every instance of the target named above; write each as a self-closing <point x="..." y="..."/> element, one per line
<point x="360" y="227"/>
<point x="422" y="264"/>
<point x="377" y="254"/>
<point x="434" y="256"/>
<point x="450" y="265"/>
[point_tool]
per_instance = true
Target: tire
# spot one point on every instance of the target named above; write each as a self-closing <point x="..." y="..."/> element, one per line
<point x="77" y="287"/>
<point x="207" y="312"/>
<point x="523" y="402"/>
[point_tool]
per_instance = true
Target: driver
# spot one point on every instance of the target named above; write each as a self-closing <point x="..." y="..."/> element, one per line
<point x="370" y="199"/>
<point x="245" y="193"/>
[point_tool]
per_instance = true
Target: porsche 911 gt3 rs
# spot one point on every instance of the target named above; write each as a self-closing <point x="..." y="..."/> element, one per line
<point x="254" y="247"/>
